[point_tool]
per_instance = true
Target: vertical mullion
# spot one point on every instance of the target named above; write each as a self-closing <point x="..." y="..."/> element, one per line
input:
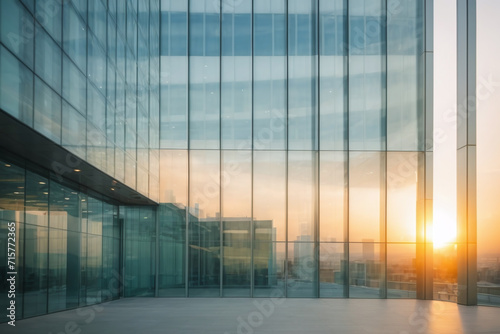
<point x="157" y="280"/>
<point x="23" y="282"/>
<point x="221" y="227"/>
<point x="318" y="155"/>
<point x="346" y="51"/>
<point x="48" y="244"/>
<point x="385" y="97"/>
<point x="286" y="147"/>
<point x="252" y="228"/>
<point x="186" y="232"/>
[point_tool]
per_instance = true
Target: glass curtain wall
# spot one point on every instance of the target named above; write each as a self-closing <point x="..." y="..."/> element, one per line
<point x="66" y="242"/>
<point x="85" y="74"/>
<point x="291" y="148"/>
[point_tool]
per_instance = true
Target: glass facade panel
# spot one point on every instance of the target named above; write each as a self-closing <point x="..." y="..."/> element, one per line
<point x="269" y="76"/>
<point x="333" y="61"/>
<point x="333" y="270"/>
<point x="17" y="31"/>
<point x="333" y="198"/>
<point x="366" y="270"/>
<point x="302" y="196"/>
<point x="139" y="251"/>
<point x="47" y="107"/>
<point x="59" y="266"/>
<point x="269" y="263"/>
<point x="57" y="269"/>
<point x="367" y="75"/>
<point x="269" y="195"/>
<point x="204" y="224"/>
<point x="282" y="141"/>
<point x="236" y="208"/>
<point x="49" y="14"/>
<point x="172" y="238"/>
<point x="74" y="131"/>
<point x="236" y="75"/>
<point x="48" y="59"/>
<point x="16" y="87"/>
<point x="367" y="191"/>
<point x="401" y="271"/>
<point x="302" y="279"/>
<point x="36" y="270"/>
<point x="75" y="37"/>
<point x="405" y="124"/>
<point x="74" y="86"/>
<point x="402" y="196"/>
<point x="302" y="75"/>
<point x="204" y="75"/>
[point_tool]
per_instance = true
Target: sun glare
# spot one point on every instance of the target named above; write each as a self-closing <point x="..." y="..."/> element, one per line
<point x="444" y="229"/>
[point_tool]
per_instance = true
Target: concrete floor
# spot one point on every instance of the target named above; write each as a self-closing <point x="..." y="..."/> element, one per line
<point x="265" y="315"/>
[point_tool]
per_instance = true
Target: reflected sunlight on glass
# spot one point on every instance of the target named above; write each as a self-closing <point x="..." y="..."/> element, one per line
<point x="444" y="229"/>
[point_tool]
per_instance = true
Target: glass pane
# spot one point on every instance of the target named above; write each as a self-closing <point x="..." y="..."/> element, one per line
<point x="94" y="215"/>
<point x="96" y="111"/>
<point x="64" y="208"/>
<point x="204" y="71"/>
<point x="174" y="78"/>
<point x="302" y="196"/>
<point x="269" y="195"/>
<point x="12" y="179"/>
<point x="74" y="130"/>
<point x="37" y="197"/>
<point x="47" y="111"/>
<point x="96" y="61"/>
<point x="402" y="185"/>
<point x="401" y="271"/>
<point x="269" y="260"/>
<point x="367" y="75"/>
<point x="405" y="122"/>
<point x="333" y="79"/>
<point x="174" y="177"/>
<point x="302" y="270"/>
<point x="236" y="187"/>
<point x="49" y="14"/>
<point x="139" y="250"/>
<point x="75" y="37"/>
<point x="16" y="87"/>
<point x="366" y="190"/>
<point x="57" y="269"/>
<point x="366" y="270"/>
<point x="48" y="60"/>
<point x="269" y="75"/>
<point x="172" y="267"/>
<point x="97" y="20"/>
<point x="333" y="196"/>
<point x="236" y="75"/>
<point x="333" y="270"/>
<point x="17" y="30"/>
<point x="74" y="86"/>
<point x="302" y="75"/>
<point x="35" y="270"/>
<point x="94" y="269"/>
<point x="204" y="224"/>
<point x="444" y="261"/>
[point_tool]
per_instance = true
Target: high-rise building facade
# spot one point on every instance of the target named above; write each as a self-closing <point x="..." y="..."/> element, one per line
<point x="307" y="114"/>
<point x="227" y="148"/>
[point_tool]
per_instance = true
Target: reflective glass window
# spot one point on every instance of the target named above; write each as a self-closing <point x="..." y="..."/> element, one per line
<point x="16" y="88"/>
<point x="47" y="111"/>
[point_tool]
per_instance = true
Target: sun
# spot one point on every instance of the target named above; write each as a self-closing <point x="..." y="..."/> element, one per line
<point x="444" y="229"/>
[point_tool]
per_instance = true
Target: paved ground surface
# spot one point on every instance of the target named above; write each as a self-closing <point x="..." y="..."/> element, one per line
<point x="264" y="315"/>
